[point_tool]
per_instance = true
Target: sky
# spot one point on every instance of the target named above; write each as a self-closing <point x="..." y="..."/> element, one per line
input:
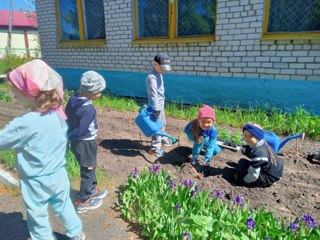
<point x="17" y="4"/>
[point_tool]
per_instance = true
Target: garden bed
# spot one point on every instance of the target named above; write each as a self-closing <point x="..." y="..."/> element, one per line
<point x="122" y="148"/>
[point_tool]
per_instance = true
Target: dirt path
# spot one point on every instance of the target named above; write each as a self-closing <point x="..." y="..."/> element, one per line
<point x="122" y="148"/>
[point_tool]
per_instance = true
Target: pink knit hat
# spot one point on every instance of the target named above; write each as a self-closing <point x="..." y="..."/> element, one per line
<point x="206" y="111"/>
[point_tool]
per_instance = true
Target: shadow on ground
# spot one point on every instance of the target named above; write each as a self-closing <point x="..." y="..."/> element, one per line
<point x="125" y="147"/>
<point x="14" y="227"/>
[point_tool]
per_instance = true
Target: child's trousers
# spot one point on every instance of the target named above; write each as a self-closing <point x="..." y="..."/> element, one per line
<point x="211" y="148"/>
<point x="86" y="155"/>
<point x="54" y="190"/>
<point x="156" y="140"/>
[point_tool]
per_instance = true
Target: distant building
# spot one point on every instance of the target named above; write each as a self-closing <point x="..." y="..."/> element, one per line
<point x="24" y="38"/>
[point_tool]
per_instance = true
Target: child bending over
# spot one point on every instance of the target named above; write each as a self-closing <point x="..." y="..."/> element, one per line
<point x="264" y="167"/>
<point x="39" y="138"/>
<point x="203" y="134"/>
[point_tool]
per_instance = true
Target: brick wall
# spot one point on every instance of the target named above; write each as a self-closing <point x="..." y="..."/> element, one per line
<point x="238" y="50"/>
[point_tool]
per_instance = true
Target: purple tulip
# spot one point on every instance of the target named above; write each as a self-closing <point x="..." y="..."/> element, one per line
<point x="178" y="206"/>
<point x="309" y="221"/>
<point x="219" y="193"/>
<point x="172" y="183"/>
<point x="155" y="169"/>
<point x="238" y="201"/>
<point x="186" y="236"/>
<point x="250" y="223"/>
<point x="134" y="173"/>
<point x="294" y="226"/>
<point x="187" y="183"/>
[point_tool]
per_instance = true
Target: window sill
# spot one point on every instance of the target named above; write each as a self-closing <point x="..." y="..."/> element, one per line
<point x="177" y="40"/>
<point x="291" y="36"/>
<point x="82" y="43"/>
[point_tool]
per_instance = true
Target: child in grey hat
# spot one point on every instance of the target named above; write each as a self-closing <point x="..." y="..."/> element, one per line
<point x="82" y="132"/>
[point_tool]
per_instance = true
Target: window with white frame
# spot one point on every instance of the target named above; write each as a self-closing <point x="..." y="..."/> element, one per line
<point x="174" y="19"/>
<point x="298" y="17"/>
<point x="80" y="20"/>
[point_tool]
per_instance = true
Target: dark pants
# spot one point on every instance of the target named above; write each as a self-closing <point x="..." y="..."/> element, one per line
<point x="242" y="169"/>
<point x="86" y="155"/>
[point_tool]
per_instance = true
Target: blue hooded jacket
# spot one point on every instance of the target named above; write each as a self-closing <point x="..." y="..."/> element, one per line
<point x="82" y="119"/>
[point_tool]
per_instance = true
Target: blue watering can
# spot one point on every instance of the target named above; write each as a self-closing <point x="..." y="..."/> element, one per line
<point x="149" y="127"/>
<point x="274" y="141"/>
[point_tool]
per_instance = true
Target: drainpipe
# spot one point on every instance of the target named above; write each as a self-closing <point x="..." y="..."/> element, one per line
<point x="26" y="42"/>
<point x="10" y="28"/>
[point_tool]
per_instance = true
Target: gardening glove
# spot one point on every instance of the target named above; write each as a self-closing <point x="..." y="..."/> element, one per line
<point x="245" y="150"/>
<point x="155" y="115"/>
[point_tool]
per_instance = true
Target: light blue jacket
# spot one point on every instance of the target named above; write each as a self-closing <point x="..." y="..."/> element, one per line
<point x="40" y="142"/>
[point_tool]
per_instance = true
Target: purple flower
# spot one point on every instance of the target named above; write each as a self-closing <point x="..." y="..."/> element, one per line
<point x="219" y="193"/>
<point x="178" y="206"/>
<point x="155" y="169"/>
<point x="238" y="201"/>
<point x="194" y="192"/>
<point x="250" y="223"/>
<point x="187" y="183"/>
<point x="134" y="173"/>
<point x="309" y="221"/>
<point x="172" y="183"/>
<point x="294" y="226"/>
<point x="267" y="238"/>
<point x="186" y="236"/>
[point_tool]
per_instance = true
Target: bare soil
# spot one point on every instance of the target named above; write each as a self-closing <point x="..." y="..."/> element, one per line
<point x="122" y="147"/>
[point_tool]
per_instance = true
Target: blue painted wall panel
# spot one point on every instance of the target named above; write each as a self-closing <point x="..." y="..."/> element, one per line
<point x="220" y="91"/>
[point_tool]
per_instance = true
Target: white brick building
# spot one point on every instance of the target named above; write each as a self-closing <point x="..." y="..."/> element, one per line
<point x="241" y="58"/>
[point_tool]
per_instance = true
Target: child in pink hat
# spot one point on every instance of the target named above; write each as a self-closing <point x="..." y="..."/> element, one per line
<point x="39" y="138"/>
<point x="203" y="134"/>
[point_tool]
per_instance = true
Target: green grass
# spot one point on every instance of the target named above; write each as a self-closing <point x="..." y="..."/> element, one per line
<point x="271" y="119"/>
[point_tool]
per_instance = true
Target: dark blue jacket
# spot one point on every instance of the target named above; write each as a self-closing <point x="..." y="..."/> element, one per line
<point x="82" y="119"/>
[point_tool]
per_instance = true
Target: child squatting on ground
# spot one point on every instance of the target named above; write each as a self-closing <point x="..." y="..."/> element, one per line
<point x="82" y="132"/>
<point x="39" y="138"/>
<point x="202" y="132"/>
<point x="156" y="100"/>
<point x="264" y="167"/>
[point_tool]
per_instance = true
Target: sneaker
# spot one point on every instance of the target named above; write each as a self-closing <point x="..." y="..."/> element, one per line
<point x="166" y="142"/>
<point x="194" y="161"/>
<point x="206" y="164"/>
<point x="99" y="193"/>
<point x="80" y="237"/>
<point x="90" y="204"/>
<point x="159" y="152"/>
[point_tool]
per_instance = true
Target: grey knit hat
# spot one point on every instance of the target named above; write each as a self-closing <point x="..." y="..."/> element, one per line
<point x="92" y="82"/>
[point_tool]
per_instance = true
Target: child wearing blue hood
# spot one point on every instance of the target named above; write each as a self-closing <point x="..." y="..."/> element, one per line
<point x="264" y="167"/>
<point x="82" y="132"/>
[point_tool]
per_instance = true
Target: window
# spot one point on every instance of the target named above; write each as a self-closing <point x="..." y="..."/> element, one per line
<point x="292" y="18"/>
<point x="81" y="21"/>
<point x="174" y="19"/>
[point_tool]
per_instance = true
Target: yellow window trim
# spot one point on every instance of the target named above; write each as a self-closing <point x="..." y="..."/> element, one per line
<point x="284" y="36"/>
<point x="81" y="28"/>
<point x="291" y="36"/>
<point x="175" y="40"/>
<point x="172" y="27"/>
<point x="86" y="42"/>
